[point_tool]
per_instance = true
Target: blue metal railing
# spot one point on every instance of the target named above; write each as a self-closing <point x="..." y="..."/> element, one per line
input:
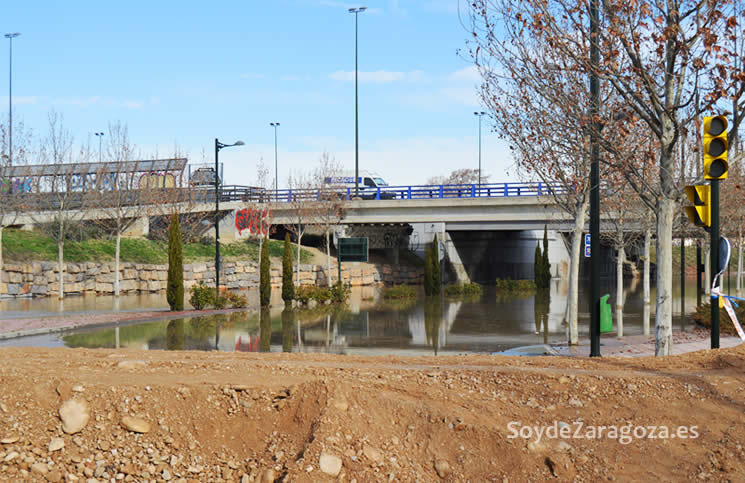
<point x="412" y="192"/>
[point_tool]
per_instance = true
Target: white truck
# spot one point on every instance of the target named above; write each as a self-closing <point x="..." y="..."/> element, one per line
<point x="371" y="185"/>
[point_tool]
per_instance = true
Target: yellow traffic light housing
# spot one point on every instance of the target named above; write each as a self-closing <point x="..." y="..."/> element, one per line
<point x="700" y="212"/>
<point x="715" y="147"/>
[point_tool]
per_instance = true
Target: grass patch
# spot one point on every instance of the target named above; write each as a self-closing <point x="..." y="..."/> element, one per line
<point x="399" y="292"/>
<point x="22" y="246"/>
<point x="463" y="290"/>
<point x="507" y="285"/>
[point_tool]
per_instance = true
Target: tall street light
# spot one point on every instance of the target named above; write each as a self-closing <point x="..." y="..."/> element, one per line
<point x="356" y="11"/>
<point x="479" y="115"/>
<point x="218" y="147"/>
<point x="275" y="125"/>
<point x="99" y="135"/>
<point x="10" y="97"/>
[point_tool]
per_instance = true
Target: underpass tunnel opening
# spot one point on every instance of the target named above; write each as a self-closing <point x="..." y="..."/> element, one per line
<point x="509" y="254"/>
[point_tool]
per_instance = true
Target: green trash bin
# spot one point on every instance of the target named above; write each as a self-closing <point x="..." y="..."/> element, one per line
<point x="606" y="316"/>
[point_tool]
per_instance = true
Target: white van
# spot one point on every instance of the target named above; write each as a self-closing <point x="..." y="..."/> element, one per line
<point x="368" y="182"/>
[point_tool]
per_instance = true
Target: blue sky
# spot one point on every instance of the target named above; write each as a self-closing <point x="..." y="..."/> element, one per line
<point x="182" y="73"/>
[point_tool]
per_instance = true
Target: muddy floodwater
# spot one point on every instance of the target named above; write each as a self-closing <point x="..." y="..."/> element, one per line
<point x="493" y="322"/>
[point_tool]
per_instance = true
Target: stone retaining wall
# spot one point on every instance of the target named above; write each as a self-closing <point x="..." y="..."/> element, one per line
<point x="40" y="278"/>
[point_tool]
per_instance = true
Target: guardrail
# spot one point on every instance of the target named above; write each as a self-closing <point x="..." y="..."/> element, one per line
<point x="412" y="192"/>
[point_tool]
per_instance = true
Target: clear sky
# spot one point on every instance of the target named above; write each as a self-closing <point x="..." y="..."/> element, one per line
<point x="184" y="72"/>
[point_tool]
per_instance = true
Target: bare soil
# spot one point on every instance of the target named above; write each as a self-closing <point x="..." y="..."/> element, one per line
<point x="295" y="417"/>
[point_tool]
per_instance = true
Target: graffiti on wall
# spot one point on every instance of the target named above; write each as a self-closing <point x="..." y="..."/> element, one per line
<point x="15" y="185"/>
<point x="86" y="182"/>
<point x="157" y="179"/>
<point x="255" y="222"/>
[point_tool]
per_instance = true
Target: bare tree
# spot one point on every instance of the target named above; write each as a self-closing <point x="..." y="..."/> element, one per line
<point x="61" y="196"/>
<point x="303" y="204"/>
<point x="459" y="176"/>
<point x="119" y="193"/>
<point x="656" y="56"/>
<point x="13" y="182"/>
<point x="331" y="201"/>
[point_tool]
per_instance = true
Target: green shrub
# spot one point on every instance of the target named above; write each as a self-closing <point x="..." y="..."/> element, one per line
<point x="463" y="290"/>
<point x="398" y="292"/>
<point x="201" y="296"/>
<point x="339" y="292"/>
<point x="221" y="301"/>
<point x="288" y="286"/>
<point x="236" y="300"/>
<point x="175" y="287"/>
<point x="336" y="294"/>
<point x="507" y="285"/>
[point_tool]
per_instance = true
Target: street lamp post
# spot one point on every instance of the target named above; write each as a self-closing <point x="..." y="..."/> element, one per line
<point x="356" y="11"/>
<point x="218" y="147"/>
<point x="275" y="125"/>
<point x="99" y="135"/>
<point x="479" y="115"/>
<point x="594" y="183"/>
<point x="10" y="97"/>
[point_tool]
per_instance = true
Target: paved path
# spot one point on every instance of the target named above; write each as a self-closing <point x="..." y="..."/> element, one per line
<point x="643" y="345"/>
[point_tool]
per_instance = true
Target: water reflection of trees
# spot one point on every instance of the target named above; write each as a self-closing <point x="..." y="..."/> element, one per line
<point x="175" y="335"/>
<point x="541" y="305"/>
<point x="265" y="330"/>
<point x="433" y="321"/>
<point x="288" y="322"/>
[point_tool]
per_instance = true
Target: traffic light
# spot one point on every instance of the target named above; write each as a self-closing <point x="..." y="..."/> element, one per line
<point x="715" y="147"/>
<point x="700" y="212"/>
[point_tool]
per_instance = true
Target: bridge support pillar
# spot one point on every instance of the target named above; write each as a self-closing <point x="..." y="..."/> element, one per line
<point x="139" y="227"/>
<point x="452" y="256"/>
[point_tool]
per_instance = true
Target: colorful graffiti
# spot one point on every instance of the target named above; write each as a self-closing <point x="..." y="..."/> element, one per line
<point x="256" y="222"/>
<point x="157" y="180"/>
<point x="86" y="182"/>
<point x="16" y="185"/>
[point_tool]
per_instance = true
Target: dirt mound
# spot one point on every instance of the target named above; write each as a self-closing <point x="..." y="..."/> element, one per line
<point x="190" y="416"/>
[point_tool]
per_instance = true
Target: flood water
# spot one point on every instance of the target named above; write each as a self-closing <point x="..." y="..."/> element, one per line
<point x="367" y="325"/>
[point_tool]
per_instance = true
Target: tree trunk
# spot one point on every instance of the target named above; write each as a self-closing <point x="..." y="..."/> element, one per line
<point x="738" y="277"/>
<point x="328" y="258"/>
<point x="574" y="262"/>
<point x="60" y="270"/>
<point x="619" y="289"/>
<point x="116" y="263"/>
<point x="664" y="309"/>
<point x="299" y="237"/>
<point x="647" y="294"/>
<point x="1" y="250"/>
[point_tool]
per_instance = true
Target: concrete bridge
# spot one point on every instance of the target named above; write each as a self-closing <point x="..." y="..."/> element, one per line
<point x="488" y="232"/>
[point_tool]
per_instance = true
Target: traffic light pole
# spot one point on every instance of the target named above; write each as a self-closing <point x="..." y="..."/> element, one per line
<point x="714" y="261"/>
<point x="594" y="183"/>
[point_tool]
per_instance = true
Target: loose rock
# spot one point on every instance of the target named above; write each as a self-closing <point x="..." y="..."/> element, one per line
<point x="134" y="424"/>
<point x="373" y="453"/>
<point x="56" y="444"/>
<point x="329" y="463"/>
<point x="442" y="468"/>
<point x="74" y="414"/>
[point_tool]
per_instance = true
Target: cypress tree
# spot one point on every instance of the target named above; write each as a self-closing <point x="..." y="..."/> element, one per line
<point x="175" y="287"/>
<point x="428" y="271"/>
<point x="546" y="264"/>
<point x="265" y="282"/>
<point x="538" y="266"/>
<point x="288" y="287"/>
<point x="436" y="280"/>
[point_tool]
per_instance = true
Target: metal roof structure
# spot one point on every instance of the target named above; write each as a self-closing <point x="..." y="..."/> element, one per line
<point x="138" y="166"/>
